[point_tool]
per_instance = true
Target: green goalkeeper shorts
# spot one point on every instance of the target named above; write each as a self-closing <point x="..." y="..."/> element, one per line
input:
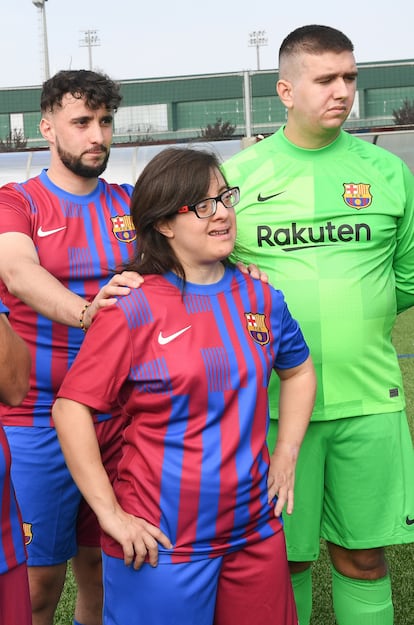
<point x="354" y="485"/>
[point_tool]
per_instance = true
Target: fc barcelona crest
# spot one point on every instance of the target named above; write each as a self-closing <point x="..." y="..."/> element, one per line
<point x="28" y="534"/>
<point x="123" y="228"/>
<point x="357" y="195"/>
<point x="256" y="326"/>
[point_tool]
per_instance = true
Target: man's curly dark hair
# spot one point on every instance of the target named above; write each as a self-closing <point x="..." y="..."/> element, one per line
<point x="96" y="89"/>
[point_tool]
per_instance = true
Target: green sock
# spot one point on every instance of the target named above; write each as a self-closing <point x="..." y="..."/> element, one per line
<point x="362" y="602"/>
<point x="302" y="589"/>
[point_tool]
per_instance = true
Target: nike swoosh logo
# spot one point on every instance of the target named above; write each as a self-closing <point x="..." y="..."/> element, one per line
<point x="409" y="521"/>
<point x="47" y="233"/>
<point x="163" y="340"/>
<point x="264" y="198"/>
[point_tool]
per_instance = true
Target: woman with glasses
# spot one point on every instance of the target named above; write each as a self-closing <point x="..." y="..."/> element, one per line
<point x="191" y="517"/>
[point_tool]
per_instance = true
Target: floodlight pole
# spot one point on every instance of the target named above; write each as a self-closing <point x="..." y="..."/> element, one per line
<point x="90" y="39"/>
<point x="40" y="5"/>
<point x="257" y="38"/>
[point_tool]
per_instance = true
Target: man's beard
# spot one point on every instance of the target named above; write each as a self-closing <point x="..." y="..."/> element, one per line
<point x="75" y="165"/>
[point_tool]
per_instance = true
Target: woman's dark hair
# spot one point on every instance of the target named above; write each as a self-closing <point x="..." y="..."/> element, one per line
<point x="173" y="178"/>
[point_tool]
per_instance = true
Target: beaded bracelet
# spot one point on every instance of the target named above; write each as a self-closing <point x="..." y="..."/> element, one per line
<point x="82" y="316"/>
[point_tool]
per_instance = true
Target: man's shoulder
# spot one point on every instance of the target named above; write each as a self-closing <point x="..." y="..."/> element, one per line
<point x="368" y="149"/>
<point x="247" y="156"/>
<point x="124" y="187"/>
<point x="20" y="190"/>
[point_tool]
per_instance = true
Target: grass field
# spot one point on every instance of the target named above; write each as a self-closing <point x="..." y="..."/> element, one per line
<point x="401" y="558"/>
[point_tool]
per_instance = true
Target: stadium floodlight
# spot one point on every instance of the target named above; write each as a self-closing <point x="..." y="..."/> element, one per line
<point x="40" y="5"/>
<point x="89" y="40"/>
<point x="257" y="38"/>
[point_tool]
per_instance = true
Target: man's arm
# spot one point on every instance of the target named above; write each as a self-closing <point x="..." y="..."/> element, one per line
<point x="15" y="365"/>
<point x="27" y="280"/>
<point x="404" y="253"/>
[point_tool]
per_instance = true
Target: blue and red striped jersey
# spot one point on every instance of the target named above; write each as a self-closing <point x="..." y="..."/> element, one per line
<point x="80" y="240"/>
<point x="191" y="372"/>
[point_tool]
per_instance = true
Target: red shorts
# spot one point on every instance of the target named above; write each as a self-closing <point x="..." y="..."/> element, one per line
<point x="14" y="597"/>
<point x="255" y="586"/>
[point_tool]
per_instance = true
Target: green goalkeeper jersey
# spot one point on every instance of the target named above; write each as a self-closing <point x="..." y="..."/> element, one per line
<point x="334" y="230"/>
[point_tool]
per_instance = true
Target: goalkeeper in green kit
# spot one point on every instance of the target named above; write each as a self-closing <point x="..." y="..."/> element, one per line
<point x="330" y="219"/>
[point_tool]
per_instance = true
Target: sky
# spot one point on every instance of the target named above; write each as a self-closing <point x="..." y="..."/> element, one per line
<point x="161" y="38"/>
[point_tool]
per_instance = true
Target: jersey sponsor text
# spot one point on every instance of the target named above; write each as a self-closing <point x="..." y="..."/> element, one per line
<point x="296" y="236"/>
